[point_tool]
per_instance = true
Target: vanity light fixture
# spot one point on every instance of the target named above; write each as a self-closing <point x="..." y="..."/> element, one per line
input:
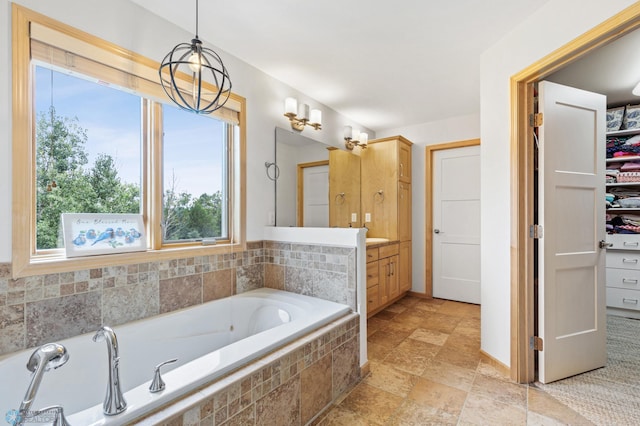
<point x="353" y="138"/>
<point x="198" y="64"/>
<point x="300" y="117"/>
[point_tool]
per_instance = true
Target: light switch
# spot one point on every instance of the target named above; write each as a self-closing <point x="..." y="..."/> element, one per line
<point x="367" y="217"/>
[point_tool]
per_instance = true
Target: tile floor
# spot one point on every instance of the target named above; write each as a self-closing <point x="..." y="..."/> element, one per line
<point x="426" y="369"/>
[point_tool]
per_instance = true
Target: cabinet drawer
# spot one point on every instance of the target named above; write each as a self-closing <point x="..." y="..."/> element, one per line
<point x="623" y="259"/>
<point x="390" y="250"/>
<point x="372" y="254"/>
<point x="373" y="298"/>
<point x="624" y="241"/>
<point x="623" y="278"/>
<point x="623" y="298"/>
<point x="373" y="274"/>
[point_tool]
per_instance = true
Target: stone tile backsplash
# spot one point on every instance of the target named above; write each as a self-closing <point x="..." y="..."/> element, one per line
<point x="43" y="308"/>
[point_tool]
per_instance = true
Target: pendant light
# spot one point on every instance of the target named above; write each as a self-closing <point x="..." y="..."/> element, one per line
<point x="186" y="68"/>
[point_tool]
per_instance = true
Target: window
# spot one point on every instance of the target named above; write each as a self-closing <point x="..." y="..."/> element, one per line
<point x="88" y="151"/>
<point x="100" y="138"/>
<point x="194" y="189"/>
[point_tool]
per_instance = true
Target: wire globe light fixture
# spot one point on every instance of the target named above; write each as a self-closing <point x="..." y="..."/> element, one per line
<point x="184" y="70"/>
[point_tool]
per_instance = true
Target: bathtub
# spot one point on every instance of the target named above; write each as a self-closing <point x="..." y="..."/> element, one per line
<point x="209" y="340"/>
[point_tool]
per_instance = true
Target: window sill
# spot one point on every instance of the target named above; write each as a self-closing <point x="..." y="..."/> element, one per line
<point x="55" y="263"/>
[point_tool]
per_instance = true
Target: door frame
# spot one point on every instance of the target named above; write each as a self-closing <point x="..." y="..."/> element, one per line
<point x="300" y="200"/>
<point x="428" y="222"/>
<point x="522" y="364"/>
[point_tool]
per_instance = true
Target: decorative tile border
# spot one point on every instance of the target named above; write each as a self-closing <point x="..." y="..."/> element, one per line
<point x="83" y="300"/>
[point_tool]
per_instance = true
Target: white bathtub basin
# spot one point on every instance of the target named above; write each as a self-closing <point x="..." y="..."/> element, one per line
<point x="209" y="341"/>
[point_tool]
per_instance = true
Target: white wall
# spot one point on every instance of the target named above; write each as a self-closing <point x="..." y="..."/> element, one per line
<point x="450" y="130"/>
<point x="127" y="25"/>
<point x="552" y="26"/>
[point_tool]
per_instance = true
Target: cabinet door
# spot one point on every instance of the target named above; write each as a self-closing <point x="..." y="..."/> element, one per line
<point x="404" y="163"/>
<point x="404" y="211"/>
<point x="404" y="267"/>
<point x="379" y="189"/>
<point x="393" y="282"/>
<point x="385" y="274"/>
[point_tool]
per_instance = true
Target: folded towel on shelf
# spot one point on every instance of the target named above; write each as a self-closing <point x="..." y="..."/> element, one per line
<point x="630" y="166"/>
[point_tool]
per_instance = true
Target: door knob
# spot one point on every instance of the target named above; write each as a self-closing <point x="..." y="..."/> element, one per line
<point x="436" y="231"/>
<point x="604" y="244"/>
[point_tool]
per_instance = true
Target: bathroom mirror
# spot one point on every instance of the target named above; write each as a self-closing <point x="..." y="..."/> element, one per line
<point x="317" y="185"/>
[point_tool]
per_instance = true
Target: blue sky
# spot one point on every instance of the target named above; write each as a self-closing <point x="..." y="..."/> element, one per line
<point x="112" y="121"/>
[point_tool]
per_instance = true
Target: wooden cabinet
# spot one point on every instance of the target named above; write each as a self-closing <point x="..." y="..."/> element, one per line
<point x="383" y="277"/>
<point x="404" y="266"/>
<point x="404" y="162"/>
<point x="385" y="176"/>
<point x="385" y="192"/>
<point x="404" y="211"/>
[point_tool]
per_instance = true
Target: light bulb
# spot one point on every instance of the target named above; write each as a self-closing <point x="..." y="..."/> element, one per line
<point x="195" y="62"/>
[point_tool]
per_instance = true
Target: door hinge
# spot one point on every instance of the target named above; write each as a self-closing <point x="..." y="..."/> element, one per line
<point x="535" y="231"/>
<point x="535" y="120"/>
<point x="535" y="343"/>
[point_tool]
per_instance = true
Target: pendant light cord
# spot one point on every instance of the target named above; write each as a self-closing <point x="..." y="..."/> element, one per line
<point x="197" y="18"/>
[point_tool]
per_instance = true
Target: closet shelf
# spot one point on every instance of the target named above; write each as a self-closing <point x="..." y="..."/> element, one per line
<point x="622" y="209"/>
<point x="612" y="185"/>
<point x="626" y="132"/>
<point x="623" y="159"/>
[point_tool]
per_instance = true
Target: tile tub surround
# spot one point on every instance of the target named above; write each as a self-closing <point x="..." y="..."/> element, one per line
<point x="43" y="308"/>
<point x="290" y="386"/>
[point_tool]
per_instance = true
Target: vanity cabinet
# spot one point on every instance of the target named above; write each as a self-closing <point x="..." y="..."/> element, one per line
<point x="385" y="192"/>
<point x="383" y="277"/>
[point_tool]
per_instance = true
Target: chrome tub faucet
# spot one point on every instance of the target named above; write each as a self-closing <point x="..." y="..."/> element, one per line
<point x="114" y="402"/>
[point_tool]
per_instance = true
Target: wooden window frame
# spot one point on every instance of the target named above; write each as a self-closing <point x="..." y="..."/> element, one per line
<point x="26" y="260"/>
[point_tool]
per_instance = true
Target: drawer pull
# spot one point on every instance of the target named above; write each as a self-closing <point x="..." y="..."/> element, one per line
<point x="629" y="281"/>
<point x="625" y="260"/>
<point x="632" y="301"/>
<point x="629" y="243"/>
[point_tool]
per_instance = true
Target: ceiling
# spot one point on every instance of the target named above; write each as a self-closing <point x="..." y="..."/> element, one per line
<point x="613" y="70"/>
<point x="383" y="64"/>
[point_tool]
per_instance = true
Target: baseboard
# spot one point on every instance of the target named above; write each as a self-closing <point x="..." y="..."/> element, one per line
<point x="499" y="366"/>
<point x="419" y="295"/>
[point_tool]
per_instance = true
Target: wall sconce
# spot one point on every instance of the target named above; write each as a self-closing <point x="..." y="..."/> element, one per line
<point x="301" y="117"/>
<point x="353" y="138"/>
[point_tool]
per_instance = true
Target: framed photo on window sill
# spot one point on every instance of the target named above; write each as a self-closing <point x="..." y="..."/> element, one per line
<point x="88" y="234"/>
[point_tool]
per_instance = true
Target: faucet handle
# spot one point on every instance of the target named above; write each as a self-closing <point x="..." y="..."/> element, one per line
<point x="157" y="384"/>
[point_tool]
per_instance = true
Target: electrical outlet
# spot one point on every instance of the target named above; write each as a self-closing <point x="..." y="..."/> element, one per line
<point x="272" y="219"/>
<point x="354" y="217"/>
<point x="367" y="217"/>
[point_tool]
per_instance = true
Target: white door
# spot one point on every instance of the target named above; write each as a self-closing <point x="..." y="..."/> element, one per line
<point x="316" y="196"/>
<point x="456" y="224"/>
<point x="571" y="286"/>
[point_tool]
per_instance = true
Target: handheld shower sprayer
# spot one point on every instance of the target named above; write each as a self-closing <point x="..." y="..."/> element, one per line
<point x="46" y="357"/>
